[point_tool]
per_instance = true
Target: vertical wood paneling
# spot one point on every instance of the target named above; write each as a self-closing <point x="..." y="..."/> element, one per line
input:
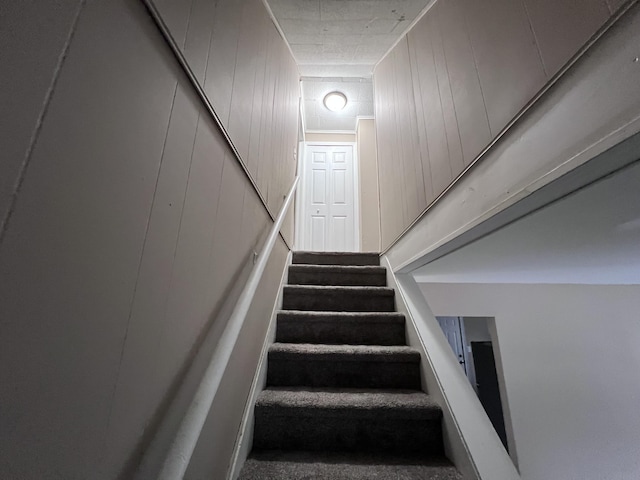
<point x="471" y="115"/>
<point x="389" y="203"/>
<point x="244" y="80"/>
<point x="29" y="58"/>
<point x="222" y="56"/>
<point x="187" y="304"/>
<point x="402" y="159"/>
<point x="251" y="80"/>
<point x="266" y="140"/>
<point x="257" y="97"/>
<point x="561" y="27"/>
<point x="507" y="57"/>
<point x="460" y="76"/>
<point x="614" y="5"/>
<point x="456" y="161"/>
<point x="409" y="129"/>
<point x="434" y="116"/>
<point x="198" y="37"/>
<point x="143" y="341"/>
<point x="71" y="255"/>
<point x="175" y="14"/>
<point x="398" y="167"/>
<point x="127" y="239"/>
<point x="423" y="144"/>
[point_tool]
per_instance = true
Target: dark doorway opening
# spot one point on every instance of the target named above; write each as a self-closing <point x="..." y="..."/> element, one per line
<point x="471" y="340"/>
<point x="487" y="386"/>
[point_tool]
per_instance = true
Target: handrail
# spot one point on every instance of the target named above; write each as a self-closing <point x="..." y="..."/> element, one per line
<point x="184" y="443"/>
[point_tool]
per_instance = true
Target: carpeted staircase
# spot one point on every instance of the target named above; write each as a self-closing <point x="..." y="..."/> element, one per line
<point x="343" y="397"/>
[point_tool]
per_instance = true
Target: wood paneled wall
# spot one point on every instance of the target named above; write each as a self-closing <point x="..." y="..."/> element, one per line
<point x="133" y="227"/>
<point x="251" y="80"/>
<point x="456" y="80"/>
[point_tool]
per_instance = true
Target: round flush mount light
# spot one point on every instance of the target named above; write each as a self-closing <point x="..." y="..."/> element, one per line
<point x="335" y="101"/>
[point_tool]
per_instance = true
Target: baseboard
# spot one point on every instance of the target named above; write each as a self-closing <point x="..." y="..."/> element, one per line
<point x="244" y="439"/>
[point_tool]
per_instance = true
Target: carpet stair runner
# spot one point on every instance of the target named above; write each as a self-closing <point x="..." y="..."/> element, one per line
<point x="343" y="397"/>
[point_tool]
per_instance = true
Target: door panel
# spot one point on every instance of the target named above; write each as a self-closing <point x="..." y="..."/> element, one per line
<point x="318" y="229"/>
<point x="339" y="232"/>
<point x="329" y="210"/>
<point x="319" y="187"/>
<point x="339" y="187"/>
<point x="453" y="331"/>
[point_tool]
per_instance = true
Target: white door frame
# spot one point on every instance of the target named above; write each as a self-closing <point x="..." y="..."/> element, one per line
<point x="299" y="213"/>
<point x="303" y="193"/>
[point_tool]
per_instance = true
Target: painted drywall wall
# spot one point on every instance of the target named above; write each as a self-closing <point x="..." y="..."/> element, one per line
<point x="455" y="81"/>
<point x="330" y="137"/>
<point x="132" y="234"/>
<point x="591" y="236"/>
<point x="569" y="358"/>
<point x="369" y="194"/>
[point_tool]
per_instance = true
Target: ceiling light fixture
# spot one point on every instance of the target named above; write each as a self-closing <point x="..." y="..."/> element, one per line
<point x="335" y="101"/>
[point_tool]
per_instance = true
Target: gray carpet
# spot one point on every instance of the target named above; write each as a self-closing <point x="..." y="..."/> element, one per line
<point x="343" y="397"/>
<point x="340" y="328"/>
<point x="338" y="275"/>
<point x="280" y="465"/>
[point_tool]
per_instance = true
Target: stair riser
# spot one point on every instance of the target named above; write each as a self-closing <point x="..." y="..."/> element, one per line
<point x="284" y="432"/>
<point x="308" y="258"/>
<point x="338" y="302"/>
<point x="338" y="279"/>
<point x="343" y="374"/>
<point x="340" y="333"/>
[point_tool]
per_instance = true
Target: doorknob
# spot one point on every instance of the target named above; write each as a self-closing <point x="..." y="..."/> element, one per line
<point x="317" y="211"/>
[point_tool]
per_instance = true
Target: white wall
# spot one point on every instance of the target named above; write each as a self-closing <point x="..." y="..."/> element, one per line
<point x="369" y="193"/>
<point x="570" y="358"/>
<point x="589" y="237"/>
<point x="330" y="137"/>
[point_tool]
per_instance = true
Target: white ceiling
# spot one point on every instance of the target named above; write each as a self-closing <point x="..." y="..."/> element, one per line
<point x="343" y="38"/>
<point x="359" y="93"/>
<point x="336" y="44"/>
<point x="590" y="237"/>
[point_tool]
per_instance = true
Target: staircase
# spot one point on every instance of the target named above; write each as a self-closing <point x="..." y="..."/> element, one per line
<point x="343" y="397"/>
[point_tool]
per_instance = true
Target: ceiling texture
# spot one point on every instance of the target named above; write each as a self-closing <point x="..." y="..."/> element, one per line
<point x="337" y="43"/>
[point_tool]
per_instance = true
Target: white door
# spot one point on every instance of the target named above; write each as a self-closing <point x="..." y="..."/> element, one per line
<point x="329" y="223"/>
<point x="452" y="329"/>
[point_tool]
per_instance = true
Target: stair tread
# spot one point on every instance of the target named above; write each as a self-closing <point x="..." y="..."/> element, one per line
<point x="362" y="401"/>
<point x="332" y="258"/>
<point x="290" y="465"/>
<point x="341" y="380"/>
<point x="340" y="328"/>
<point x="337" y="254"/>
<point x="364" y="269"/>
<point x="320" y="316"/>
<point x="394" y="353"/>
<point x="315" y="289"/>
